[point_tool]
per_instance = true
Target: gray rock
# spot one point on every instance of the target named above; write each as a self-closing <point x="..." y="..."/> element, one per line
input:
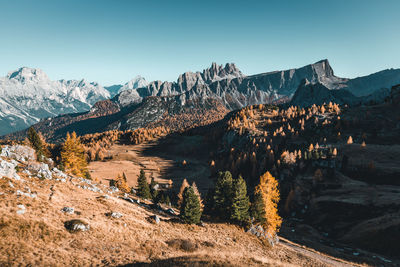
<point x="113" y="189"/>
<point x="115" y="215"/>
<point x="76" y="226"/>
<point x="68" y="210"/>
<point x="171" y="211"/>
<point x="21" y="209"/>
<point x="154" y="219"/>
<point x="8" y="170"/>
<point x="40" y="169"/>
<point x="18" y="152"/>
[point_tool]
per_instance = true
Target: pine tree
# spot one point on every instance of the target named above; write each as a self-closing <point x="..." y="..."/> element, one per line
<point x="190" y="211"/>
<point x="223" y="194"/>
<point x="267" y="189"/>
<point x="181" y="190"/>
<point x="36" y="143"/>
<point x="257" y="209"/>
<point x="240" y="201"/>
<point x="153" y="190"/>
<point x="143" y="187"/>
<point x="197" y="193"/>
<point x="73" y="156"/>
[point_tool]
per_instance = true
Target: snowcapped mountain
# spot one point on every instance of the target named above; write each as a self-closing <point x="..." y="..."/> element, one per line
<point x="28" y="95"/>
<point x="137" y="82"/>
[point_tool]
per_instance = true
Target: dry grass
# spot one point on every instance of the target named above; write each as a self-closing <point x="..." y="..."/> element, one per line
<point x="39" y="238"/>
<point x="130" y="159"/>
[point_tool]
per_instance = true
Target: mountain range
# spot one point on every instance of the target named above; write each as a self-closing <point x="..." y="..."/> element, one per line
<point x="28" y="95"/>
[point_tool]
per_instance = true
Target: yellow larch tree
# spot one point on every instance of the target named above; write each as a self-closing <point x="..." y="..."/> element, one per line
<point x="73" y="156"/>
<point x="269" y="192"/>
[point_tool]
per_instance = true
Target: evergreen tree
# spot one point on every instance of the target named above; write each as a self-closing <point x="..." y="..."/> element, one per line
<point x="223" y="194"/>
<point x="240" y="201"/>
<point x="167" y="200"/>
<point x="197" y="193"/>
<point x="269" y="193"/>
<point x="36" y="143"/>
<point x="190" y="211"/>
<point x="143" y="187"/>
<point x="181" y="190"/>
<point x="73" y="156"/>
<point x="257" y="209"/>
<point x="153" y="190"/>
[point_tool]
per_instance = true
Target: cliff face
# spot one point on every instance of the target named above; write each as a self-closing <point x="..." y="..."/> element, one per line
<point x="235" y="90"/>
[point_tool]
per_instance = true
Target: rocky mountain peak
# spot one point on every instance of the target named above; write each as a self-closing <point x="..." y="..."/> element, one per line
<point x="218" y="72"/>
<point x="25" y="74"/>
<point x="323" y="68"/>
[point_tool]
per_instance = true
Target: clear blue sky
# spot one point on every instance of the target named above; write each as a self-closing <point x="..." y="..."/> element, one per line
<point x="113" y="41"/>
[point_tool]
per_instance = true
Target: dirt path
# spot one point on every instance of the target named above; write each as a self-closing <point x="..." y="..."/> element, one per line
<point x="325" y="259"/>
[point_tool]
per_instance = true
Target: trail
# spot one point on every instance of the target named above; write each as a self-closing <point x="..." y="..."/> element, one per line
<point x="325" y="259"/>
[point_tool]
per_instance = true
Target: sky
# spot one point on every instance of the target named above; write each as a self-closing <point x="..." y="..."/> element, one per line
<point x="113" y="41"/>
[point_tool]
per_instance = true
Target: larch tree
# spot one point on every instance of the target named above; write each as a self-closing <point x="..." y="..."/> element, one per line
<point x="73" y="156"/>
<point x="122" y="184"/>
<point x="350" y="140"/>
<point x="268" y="191"/>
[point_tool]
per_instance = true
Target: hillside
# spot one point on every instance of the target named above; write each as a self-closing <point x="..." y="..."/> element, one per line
<point x="337" y="167"/>
<point x="116" y="229"/>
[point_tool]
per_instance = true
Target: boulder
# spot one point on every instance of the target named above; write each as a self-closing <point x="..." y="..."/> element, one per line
<point x="76" y="226"/>
<point x="8" y="169"/>
<point x="18" y="152"/>
<point x="115" y="215"/>
<point x="40" y="169"/>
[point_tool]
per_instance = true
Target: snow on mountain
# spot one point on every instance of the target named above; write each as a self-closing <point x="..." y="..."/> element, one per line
<point x="137" y="82"/>
<point x="28" y="95"/>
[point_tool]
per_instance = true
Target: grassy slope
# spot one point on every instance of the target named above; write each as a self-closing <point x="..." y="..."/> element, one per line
<point x="39" y="238"/>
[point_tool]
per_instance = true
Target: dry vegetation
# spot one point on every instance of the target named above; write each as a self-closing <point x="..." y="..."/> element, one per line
<point x="38" y="237"/>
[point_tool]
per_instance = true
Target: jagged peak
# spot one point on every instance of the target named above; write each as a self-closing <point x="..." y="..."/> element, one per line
<point x="27" y="74"/>
<point x="323" y="66"/>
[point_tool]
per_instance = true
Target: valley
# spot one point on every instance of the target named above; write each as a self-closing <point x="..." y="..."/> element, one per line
<point x="161" y="159"/>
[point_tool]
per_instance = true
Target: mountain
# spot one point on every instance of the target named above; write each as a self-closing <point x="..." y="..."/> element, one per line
<point x="28" y="95"/>
<point x="137" y="82"/>
<point x="236" y="90"/>
<point x="225" y="84"/>
<point x="308" y="94"/>
<point x="366" y="85"/>
<point x="228" y="84"/>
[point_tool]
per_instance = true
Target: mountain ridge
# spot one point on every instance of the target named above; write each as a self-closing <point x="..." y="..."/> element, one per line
<point x="30" y="95"/>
